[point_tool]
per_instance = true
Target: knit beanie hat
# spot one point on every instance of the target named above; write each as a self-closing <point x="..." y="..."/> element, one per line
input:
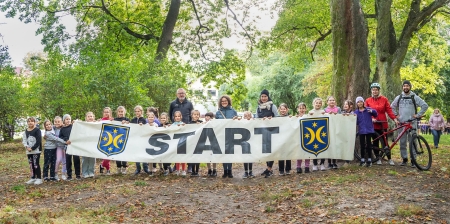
<point x="407" y="82"/>
<point x="265" y="92"/>
<point x="359" y="99"/>
<point x="65" y="116"/>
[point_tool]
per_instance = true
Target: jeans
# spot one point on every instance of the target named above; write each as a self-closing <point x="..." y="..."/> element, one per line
<point x="436" y="136"/>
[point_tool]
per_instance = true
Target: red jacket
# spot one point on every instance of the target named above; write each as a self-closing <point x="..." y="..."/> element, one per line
<point x="382" y="106"/>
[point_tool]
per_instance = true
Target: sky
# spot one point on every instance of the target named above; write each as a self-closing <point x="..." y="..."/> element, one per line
<point x="21" y="38"/>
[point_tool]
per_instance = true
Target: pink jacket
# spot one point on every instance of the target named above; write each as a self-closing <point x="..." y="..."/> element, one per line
<point x="436" y="122"/>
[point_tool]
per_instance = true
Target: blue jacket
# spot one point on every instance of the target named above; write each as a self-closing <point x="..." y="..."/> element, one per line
<point x="228" y="111"/>
<point x="364" y="120"/>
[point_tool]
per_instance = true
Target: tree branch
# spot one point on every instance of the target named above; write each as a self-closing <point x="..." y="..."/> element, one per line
<point x="321" y="38"/>
<point x="240" y="24"/>
<point x="198" y="33"/>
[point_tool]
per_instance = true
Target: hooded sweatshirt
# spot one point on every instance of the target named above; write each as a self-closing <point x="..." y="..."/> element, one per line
<point x="405" y="109"/>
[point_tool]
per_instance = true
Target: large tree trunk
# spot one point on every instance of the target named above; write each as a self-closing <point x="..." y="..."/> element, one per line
<point x="167" y="31"/>
<point x="350" y="51"/>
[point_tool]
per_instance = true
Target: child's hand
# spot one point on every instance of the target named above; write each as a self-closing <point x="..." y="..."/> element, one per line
<point x="290" y="116"/>
<point x="28" y="149"/>
<point x="311" y="113"/>
<point x="68" y="142"/>
<point x="140" y="123"/>
<point x="322" y="113"/>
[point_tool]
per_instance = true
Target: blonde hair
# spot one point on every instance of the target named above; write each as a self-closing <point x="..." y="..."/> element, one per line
<point x="302" y="104"/>
<point x="107" y="108"/>
<point x="45" y="123"/>
<point x="89" y="112"/>
<point x="316" y="99"/>
<point x="178" y="112"/>
<point x="139" y="107"/>
<point x="283" y="105"/>
<point x="195" y="111"/>
<point x="121" y="107"/>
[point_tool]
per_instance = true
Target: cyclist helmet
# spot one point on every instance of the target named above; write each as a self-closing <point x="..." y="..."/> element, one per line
<point x="375" y="85"/>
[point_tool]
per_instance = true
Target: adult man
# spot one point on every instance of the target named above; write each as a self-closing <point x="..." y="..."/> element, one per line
<point x="382" y="106"/>
<point x="405" y="108"/>
<point x="183" y="105"/>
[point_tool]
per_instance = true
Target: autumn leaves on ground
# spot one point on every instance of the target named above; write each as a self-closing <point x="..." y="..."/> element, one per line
<point x="353" y="194"/>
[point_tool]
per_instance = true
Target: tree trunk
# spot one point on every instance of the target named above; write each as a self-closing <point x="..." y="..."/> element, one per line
<point x="167" y="31"/>
<point x="350" y="51"/>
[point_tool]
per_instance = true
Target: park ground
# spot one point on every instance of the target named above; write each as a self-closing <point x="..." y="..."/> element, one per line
<point x="352" y="194"/>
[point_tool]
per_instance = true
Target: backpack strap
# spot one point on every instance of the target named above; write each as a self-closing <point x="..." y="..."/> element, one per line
<point x="412" y="97"/>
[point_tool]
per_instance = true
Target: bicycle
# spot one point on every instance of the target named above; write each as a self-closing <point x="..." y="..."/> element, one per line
<point x="420" y="152"/>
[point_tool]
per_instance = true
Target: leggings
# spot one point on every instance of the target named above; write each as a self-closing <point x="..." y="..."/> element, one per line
<point x="106" y="164"/>
<point x="322" y="161"/>
<point x="366" y="146"/>
<point x="195" y="167"/>
<point x="214" y="165"/>
<point x="248" y="166"/>
<point x="299" y="163"/>
<point x="35" y="169"/>
<point x="183" y="166"/>
<point x="121" y="164"/>
<point x="49" y="162"/>
<point x="60" y="159"/>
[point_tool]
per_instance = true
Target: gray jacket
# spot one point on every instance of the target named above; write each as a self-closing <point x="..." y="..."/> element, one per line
<point x="405" y="109"/>
<point x="58" y="144"/>
<point x="51" y="141"/>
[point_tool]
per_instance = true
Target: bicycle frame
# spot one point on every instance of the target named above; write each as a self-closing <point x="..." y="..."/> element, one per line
<point x="407" y="128"/>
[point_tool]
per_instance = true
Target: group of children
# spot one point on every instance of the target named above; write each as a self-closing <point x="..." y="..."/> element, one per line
<point x="57" y="138"/>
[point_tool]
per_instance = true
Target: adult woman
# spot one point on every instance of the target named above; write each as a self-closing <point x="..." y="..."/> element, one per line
<point x="382" y="106"/>
<point x="226" y="112"/>
<point x="266" y="109"/>
<point x="437" y="124"/>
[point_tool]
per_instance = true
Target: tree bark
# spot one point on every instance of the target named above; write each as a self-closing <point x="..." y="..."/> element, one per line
<point x="167" y="31"/>
<point x="350" y="50"/>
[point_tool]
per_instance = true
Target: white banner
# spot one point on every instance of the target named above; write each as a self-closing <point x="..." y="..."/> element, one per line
<point x="218" y="141"/>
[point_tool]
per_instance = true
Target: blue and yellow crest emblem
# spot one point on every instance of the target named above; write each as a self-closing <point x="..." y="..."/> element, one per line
<point x="113" y="139"/>
<point x="314" y="134"/>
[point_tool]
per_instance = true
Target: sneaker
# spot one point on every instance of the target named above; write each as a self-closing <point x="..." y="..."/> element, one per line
<point x="330" y="166"/>
<point x="288" y="172"/>
<point x="209" y="172"/>
<point x="101" y="168"/>
<point x="108" y="172"/>
<point x="38" y="181"/>
<point x="69" y="178"/>
<point x="52" y="179"/>
<point x="265" y="172"/>
<point x="56" y="177"/>
<point x="299" y="170"/>
<point x="362" y="163"/>
<point x="306" y="169"/>
<point x="250" y="174"/>
<point x="335" y="166"/>
<point x="166" y="173"/>
<point x="268" y="174"/>
<point x="31" y="181"/>
<point x="78" y="177"/>
<point x="137" y="172"/>
<point x="214" y="173"/>
<point x="124" y="170"/>
<point x="183" y="173"/>
<point x="404" y="163"/>
<point x="176" y="172"/>
<point x="281" y="173"/>
<point x="63" y="177"/>
<point x="45" y="179"/>
<point x="150" y="174"/>
<point x="147" y="172"/>
<point x="379" y="162"/>
<point x="230" y="174"/>
<point x="391" y="162"/>
<point x="314" y="168"/>
<point x="91" y="175"/>
<point x="245" y="175"/>
<point x="412" y="165"/>
<point x="369" y="164"/>
<point x="322" y="168"/>
<point x="195" y="175"/>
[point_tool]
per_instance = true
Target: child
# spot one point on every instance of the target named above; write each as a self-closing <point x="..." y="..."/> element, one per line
<point x="332" y="108"/>
<point x="64" y="134"/>
<point x="195" y="115"/>
<point x="365" y="129"/>
<point x="88" y="163"/>
<point x="301" y="110"/>
<point x="32" y="140"/>
<point x="138" y="119"/>
<point x="60" y="151"/>
<point x="209" y="116"/>
<point x="164" y="122"/>
<point x="120" y="112"/>
<point x="317" y="105"/>
<point x="155" y="112"/>
<point x="284" y="112"/>
<point x="248" y="166"/>
<point x="151" y="119"/>
<point x="177" y="117"/>
<point x="50" y="151"/>
<point x="107" y="116"/>
<point x="348" y="110"/>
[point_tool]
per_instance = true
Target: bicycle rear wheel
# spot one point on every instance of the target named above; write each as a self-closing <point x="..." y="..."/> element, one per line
<point x="357" y="151"/>
<point x="420" y="152"/>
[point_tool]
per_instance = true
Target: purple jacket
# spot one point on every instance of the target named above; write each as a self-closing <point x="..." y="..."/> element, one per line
<point x="364" y="120"/>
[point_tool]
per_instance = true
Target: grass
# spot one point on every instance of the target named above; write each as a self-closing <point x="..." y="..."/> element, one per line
<point x="407" y="210"/>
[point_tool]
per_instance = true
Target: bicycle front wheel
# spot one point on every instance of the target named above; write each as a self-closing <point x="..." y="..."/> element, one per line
<point x="420" y="152"/>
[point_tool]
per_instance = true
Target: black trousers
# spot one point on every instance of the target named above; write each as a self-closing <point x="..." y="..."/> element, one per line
<point x="49" y="162"/>
<point x="35" y="168"/>
<point x="283" y="168"/>
<point x="322" y="161"/>
<point x="121" y="164"/>
<point x="269" y="164"/>
<point x="248" y="166"/>
<point x="76" y="164"/>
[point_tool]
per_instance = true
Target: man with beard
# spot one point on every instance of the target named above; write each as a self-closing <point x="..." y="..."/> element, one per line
<point x="183" y="105"/>
<point x="405" y="108"/>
